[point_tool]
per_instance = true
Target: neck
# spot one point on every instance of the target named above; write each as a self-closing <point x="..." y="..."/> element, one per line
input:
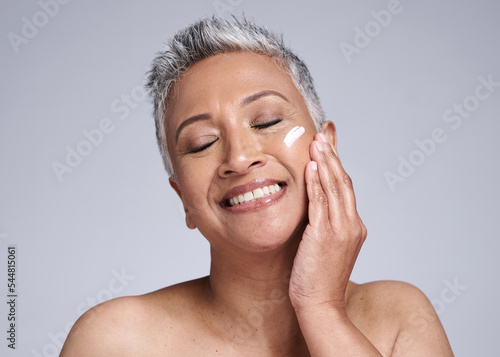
<point x="251" y="291"/>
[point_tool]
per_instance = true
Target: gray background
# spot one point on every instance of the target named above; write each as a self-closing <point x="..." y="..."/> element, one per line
<point x="116" y="214"/>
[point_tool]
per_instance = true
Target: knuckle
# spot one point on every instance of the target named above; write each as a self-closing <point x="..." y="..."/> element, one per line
<point x="346" y="179"/>
<point x="330" y="154"/>
<point x="321" y="198"/>
<point x="334" y="188"/>
<point x="355" y="234"/>
<point x="358" y="232"/>
<point x="361" y="231"/>
<point x="362" y="236"/>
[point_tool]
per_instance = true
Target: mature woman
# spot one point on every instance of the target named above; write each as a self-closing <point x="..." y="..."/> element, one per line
<point x="248" y="151"/>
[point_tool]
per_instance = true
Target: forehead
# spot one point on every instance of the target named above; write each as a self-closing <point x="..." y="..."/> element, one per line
<point x="221" y="81"/>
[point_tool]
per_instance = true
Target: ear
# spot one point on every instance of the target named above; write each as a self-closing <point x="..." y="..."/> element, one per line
<point x="189" y="222"/>
<point x="328" y="128"/>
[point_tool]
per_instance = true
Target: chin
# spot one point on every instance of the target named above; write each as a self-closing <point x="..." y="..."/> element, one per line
<point x="273" y="238"/>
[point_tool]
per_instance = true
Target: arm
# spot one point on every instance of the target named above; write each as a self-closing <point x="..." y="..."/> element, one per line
<point x="329" y="332"/>
<point x="326" y="256"/>
<point x="324" y="262"/>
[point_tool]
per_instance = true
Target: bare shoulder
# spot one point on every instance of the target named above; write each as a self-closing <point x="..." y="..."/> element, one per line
<point x="105" y="328"/>
<point x="395" y="295"/>
<point x="387" y="300"/>
<point x="404" y="312"/>
<point x="124" y="326"/>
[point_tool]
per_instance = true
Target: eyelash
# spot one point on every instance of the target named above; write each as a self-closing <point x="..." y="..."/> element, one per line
<point x="201" y="148"/>
<point x="266" y="125"/>
<point x="255" y="126"/>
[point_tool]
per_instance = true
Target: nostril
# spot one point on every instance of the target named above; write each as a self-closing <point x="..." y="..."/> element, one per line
<point x="239" y="161"/>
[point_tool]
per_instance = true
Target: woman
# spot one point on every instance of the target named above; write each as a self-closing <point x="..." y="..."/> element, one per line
<point x="248" y="151"/>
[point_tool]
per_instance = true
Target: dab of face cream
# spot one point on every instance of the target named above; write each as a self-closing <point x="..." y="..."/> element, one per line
<point x="295" y="133"/>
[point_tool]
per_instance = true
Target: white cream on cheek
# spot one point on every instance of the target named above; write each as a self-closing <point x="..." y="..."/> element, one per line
<point x="294" y="133"/>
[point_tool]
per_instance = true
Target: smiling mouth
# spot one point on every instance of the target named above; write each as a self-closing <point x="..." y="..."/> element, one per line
<point x="254" y="195"/>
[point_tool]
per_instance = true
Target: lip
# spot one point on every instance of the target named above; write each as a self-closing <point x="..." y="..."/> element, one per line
<point x="250" y="187"/>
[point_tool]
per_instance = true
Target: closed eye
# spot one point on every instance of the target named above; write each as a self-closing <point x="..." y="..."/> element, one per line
<point x="255" y="126"/>
<point x="266" y="125"/>
<point x="201" y="148"/>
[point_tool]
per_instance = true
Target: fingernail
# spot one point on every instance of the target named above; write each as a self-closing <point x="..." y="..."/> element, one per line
<point x="314" y="165"/>
<point x="319" y="145"/>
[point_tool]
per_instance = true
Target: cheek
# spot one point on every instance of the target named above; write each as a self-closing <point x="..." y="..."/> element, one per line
<point x="193" y="187"/>
<point x="293" y="135"/>
<point x="293" y="153"/>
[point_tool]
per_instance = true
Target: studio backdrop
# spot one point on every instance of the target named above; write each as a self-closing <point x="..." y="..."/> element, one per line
<point x="86" y="210"/>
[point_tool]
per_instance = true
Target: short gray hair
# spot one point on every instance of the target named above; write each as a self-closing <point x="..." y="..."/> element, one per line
<point x="212" y="36"/>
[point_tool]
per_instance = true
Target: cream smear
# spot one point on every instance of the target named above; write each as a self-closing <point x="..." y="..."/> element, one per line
<point x="295" y="133"/>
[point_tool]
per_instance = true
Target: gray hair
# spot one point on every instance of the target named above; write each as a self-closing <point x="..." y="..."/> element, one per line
<point x="212" y="36"/>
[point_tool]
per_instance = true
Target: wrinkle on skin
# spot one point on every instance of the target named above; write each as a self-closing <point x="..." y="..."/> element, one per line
<point x="218" y="86"/>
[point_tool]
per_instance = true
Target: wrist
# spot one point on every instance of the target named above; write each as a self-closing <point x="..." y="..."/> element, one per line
<point x="328" y="331"/>
<point x="330" y="309"/>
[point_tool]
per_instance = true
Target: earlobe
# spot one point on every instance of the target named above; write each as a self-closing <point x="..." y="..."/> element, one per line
<point x="189" y="222"/>
<point x="328" y="128"/>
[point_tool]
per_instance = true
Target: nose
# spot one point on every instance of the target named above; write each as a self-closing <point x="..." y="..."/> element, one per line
<point x="243" y="153"/>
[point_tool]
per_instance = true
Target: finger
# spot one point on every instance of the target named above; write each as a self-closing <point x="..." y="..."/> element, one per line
<point x="328" y="180"/>
<point x="336" y="182"/>
<point x="318" y="202"/>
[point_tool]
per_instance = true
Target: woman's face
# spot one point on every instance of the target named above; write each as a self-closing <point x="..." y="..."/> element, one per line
<point x="227" y="119"/>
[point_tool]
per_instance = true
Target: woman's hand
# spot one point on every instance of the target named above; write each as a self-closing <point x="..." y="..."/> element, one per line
<point x="333" y="237"/>
<point x="326" y="255"/>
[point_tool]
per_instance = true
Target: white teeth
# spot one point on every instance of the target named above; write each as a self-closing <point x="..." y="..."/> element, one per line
<point x="256" y="194"/>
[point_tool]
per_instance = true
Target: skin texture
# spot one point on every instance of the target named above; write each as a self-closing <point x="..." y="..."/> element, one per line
<point x="279" y="280"/>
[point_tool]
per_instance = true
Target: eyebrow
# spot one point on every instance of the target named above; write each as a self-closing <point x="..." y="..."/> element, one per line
<point x="258" y="95"/>
<point x="191" y="120"/>
<point x="244" y="102"/>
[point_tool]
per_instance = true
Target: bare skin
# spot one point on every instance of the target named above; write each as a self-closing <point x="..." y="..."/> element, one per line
<point x="279" y="280"/>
